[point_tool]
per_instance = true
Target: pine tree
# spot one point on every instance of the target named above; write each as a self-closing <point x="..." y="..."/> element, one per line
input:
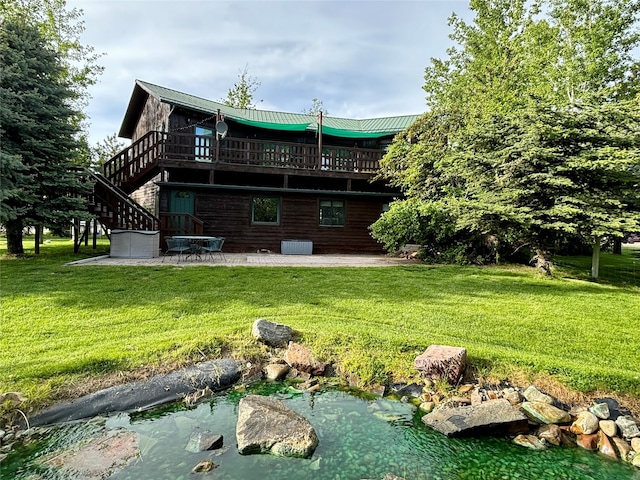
<point x="42" y="155"/>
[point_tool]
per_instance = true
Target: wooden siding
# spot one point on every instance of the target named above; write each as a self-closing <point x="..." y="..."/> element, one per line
<point x="147" y="196"/>
<point x="228" y="214"/>
<point x="155" y="116"/>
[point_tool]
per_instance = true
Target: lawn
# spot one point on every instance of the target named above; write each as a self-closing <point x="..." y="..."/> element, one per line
<point x="63" y="324"/>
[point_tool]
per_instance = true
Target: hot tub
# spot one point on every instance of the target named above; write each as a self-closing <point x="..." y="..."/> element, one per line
<point x="135" y="244"/>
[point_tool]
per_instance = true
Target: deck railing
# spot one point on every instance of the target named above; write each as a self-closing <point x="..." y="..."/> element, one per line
<point x="155" y="147"/>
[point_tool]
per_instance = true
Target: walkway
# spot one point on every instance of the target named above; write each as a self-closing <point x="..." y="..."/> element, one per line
<point x="257" y="260"/>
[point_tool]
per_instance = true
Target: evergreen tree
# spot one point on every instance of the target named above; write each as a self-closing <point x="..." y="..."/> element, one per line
<point x="42" y="156"/>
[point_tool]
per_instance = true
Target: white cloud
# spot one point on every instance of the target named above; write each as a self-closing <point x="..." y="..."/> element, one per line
<point x="361" y="58"/>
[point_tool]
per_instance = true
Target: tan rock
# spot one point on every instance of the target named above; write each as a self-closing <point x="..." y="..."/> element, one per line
<point x="609" y="427"/>
<point x="465" y="388"/>
<point x="585" y="423"/>
<point x="543" y="413"/>
<point x="550" y="433"/>
<point x="622" y="447"/>
<point x="427" y="407"/>
<point x="476" y="398"/>
<point x="588" y="442"/>
<point x="512" y="395"/>
<point x="276" y="371"/>
<point x="605" y="447"/>
<point x="299" y="357"/>
<point x="635" y="444"/>
<point x="529" y="441"/>
<point x="636" y="460"/>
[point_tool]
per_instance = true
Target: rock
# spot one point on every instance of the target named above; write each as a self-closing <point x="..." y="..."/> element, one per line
<point x="529" y="441"/>
<point x="635" y="444"/>
<point x="267" y="425"/>
<point x="635" y="461"/>
<point x="476" y="398"/>
<point x="585" y="423"/>
<point x="512" y="395"/>
<point x="460" y="400"/>
<point x="203" y="441"/>
<point x="276" y="371"/>
<point x="628" y="427"/>
<point x="412" y="390"/>
<point x="442" y="362"/>
<point x="465" y="388"/>
<point x="427" y="407"/>
<point x="600" y="410"/>
<point x="97" y="459"/>
<point x="493" y="416"/>
<point x="609" y="427"/>
<point x="532" y="394"/>
<point x="544" y="413"/>
<point x="204" y="466"/>
<point x="615" y="410"/>
<point x="623" y="448"/>
<point x="300" y="358"/>
<point x="588" y="442"/>
<point x="14" y="398"/>
<point x="550" y="433"/>
<point x="605" y="447"/>
<point x="271" y="333"/>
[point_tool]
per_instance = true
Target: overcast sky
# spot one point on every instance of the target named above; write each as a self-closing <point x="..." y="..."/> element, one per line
<point x="362" y="59"/>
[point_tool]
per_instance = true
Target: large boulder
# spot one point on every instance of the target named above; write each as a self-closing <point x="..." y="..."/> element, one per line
<point x="492" y="417"/>
<point x="299" y="357"/>
<point x="271" y="333"/>
<point x="544" y="413"/>
<point x="267" y="425"/>
<point x="442" y="362"/>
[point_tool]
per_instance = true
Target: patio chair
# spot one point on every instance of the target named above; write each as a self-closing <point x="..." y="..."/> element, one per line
<point x="214" y="245"/>
<point x="177" y="246"/>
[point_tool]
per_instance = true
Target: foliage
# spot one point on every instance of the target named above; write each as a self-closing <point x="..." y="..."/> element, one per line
<point x="241" y="94"/>
<point x="533" y="133"/>
<point x="61" y="29"/>
<point x="371" y="322"/>
<point x="42" y="154"/>
<point x="315" y="108"/>
<point x="105" y="150"/>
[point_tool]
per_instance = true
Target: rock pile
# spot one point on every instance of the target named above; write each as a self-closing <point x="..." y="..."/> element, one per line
<point x="604" y="426"/>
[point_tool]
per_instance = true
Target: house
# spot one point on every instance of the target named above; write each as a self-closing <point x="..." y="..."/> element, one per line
<point x="255" y="177"/>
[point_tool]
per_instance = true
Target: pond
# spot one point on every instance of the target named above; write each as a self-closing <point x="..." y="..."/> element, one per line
<point x="360" y="438"/>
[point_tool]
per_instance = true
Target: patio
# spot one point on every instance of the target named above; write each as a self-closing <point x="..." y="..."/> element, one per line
<point x="257" y="260"/>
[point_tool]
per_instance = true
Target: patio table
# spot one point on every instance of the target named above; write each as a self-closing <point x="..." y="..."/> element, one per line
<point x="196" y="242"/>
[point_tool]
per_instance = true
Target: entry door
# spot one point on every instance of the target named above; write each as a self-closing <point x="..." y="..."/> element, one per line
<point x="181" y="201"/>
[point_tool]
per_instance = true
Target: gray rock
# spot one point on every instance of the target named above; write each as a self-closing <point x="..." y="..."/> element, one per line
<point x="600" y="410"/>
<point x="267" y="425"/>
<point x="628" y="427"/>
<point x="203" y="441"/>
<point x="532" y="394"/>
<point x="541" y="412"/>
<point x="271" y="333"/>
<point x="491" y="417"/>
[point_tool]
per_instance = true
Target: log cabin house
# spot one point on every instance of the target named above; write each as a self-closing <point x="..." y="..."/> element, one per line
<point x="264" y="180"/>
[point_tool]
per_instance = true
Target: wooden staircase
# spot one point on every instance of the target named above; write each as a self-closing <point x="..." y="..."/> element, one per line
<point x="115" y="210"/>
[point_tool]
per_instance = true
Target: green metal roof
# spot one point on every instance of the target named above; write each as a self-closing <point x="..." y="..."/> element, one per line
<point x="342" y="127"/>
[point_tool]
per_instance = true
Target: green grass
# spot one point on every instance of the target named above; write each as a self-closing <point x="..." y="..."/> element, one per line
<point x="61" y="324"/>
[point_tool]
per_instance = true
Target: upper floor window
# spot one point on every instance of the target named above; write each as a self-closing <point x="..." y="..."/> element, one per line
<point x="332" y="213"/>
<point x="203" y="144"/>
<point x="265" y="210"/>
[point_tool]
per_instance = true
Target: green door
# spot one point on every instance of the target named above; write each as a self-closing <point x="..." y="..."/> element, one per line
<point x="181" y="201"/>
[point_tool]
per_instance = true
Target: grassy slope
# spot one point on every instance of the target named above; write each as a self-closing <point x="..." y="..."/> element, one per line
<point x="61" y="323"/>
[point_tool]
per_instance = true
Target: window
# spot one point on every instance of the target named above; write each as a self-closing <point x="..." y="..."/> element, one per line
<point x="332" y="213"/>
<point x="265" y="210"/>
<point x="203" y="141"/>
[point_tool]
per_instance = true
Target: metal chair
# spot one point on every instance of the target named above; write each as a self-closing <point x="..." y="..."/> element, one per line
<point x="177" y="246"/>
<point x="214" y="245"/>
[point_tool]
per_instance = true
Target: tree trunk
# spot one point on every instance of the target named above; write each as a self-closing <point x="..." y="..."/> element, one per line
<point x="617" y="246"/>
<point x="14" y="237"/>
<point x="595" y="259"/>
<point x="37" y="240"/>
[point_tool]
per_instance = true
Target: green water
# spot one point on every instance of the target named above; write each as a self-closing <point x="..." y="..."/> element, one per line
<point x="358" y="439"/>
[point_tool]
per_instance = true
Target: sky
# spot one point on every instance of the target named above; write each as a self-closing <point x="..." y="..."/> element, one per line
<point x="362" y="59"/>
